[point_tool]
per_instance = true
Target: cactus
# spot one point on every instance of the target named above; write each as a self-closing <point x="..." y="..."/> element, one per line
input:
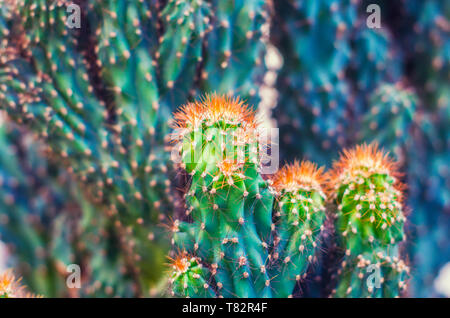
<point x="31" y="210"/>
<point x="47" y="225"/>
<point x="369" y="223"/>
<point x="314" y="40"/>
<point x="427" y="48"/>
<point x="429" y="41"/>
<point x="234" y="248"/>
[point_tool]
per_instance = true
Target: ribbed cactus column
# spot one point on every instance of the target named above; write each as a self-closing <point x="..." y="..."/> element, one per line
<point x="369" y="224"/>
<point x="108" y="143"/>
<point x="229" y="206"/>
<point x="229" y="203"/>
<point x="235" y="45"/>
<point x="300" y="214"/>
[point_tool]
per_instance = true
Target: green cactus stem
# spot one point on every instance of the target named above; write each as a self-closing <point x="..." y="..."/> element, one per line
<point x="369" y="224"/>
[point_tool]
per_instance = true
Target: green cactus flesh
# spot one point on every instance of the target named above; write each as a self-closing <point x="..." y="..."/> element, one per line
<point x="369" y="223"/>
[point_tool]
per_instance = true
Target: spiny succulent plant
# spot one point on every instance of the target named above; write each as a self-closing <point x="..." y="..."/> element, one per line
<point x="235" y="248"/>
<point x="47" y="225"/>
<point x="100" y="97"/>
<point x="369" y="223"/>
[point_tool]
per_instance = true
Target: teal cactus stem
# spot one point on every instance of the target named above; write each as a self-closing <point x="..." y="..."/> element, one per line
<point x="300" y="213"/>
<point x="389" y="120"/>
<point x="314" y="40"/>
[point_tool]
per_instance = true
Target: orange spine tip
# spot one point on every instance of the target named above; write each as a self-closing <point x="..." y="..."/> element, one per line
<point x="212" y="108"/>
<point x="363" y="161"/>
<point x="296" y="176"/>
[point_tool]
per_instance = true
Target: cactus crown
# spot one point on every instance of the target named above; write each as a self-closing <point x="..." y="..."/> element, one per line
<point x="304" y="175"/>
<point x="363" y="161"/>
<point x="368" y="193"/>
<point x="213" y="109"/>
<point x="231" y="206"/>
<point x="369" y="221"/>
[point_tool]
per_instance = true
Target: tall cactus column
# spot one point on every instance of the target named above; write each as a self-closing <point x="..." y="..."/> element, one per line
<point x="228" y="200"/>
<point x="369" y="224"/>
<point x="300" y="214"/>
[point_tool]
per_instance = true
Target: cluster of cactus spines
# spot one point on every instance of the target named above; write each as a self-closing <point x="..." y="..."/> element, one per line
<point x="229" y="204"/>
<point x="369" y="223"/>
<point x="11" y="287"/>
<point x="389" y="119"/>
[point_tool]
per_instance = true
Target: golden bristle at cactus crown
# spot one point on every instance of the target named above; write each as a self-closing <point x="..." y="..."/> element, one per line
<point x="213" y="108"/>
<point x="363" y="161"/>
<point x="304" y="175"/>
<point x="180" y="263"/>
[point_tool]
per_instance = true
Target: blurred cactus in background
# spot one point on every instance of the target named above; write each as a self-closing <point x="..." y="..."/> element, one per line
<point x="85" y="170"/>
